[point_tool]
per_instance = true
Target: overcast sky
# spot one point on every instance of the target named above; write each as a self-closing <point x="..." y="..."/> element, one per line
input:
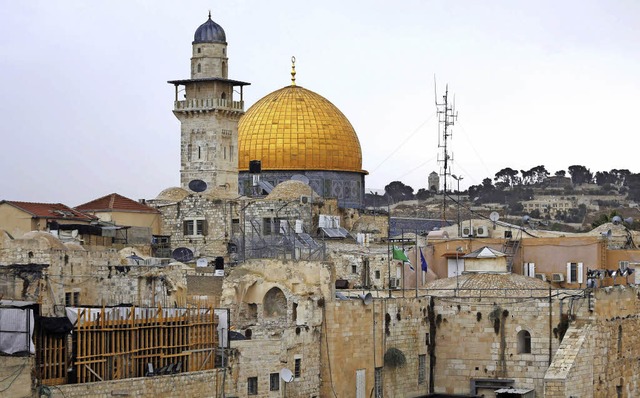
<point x="86" y="110"/>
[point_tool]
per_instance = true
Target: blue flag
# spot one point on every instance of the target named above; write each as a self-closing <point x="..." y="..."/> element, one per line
<point x="423" y="262"/>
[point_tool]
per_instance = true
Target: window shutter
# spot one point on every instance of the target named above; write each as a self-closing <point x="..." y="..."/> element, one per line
<point x="532" y="270"/>
<point x="579" y="272"/>
<point x="185" y="227"/>
<point x="525" y="269"/>
<point x="569" y="273"/>
<point x="205" y="229"/>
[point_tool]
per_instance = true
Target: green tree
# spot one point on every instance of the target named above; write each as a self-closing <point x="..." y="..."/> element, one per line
<point x="507" y="177"/>
<point x="398" y="191"/>
<point x="580" y="174"/>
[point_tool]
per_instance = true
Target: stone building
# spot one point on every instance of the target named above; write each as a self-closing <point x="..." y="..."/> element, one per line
<point x="137" y="221"/>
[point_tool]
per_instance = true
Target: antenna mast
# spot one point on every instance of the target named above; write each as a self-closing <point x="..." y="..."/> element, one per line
<point x="447" y="116"/>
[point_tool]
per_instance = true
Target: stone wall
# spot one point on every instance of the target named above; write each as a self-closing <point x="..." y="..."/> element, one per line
<point x="15" y="376"/>
<point x="358" y="335"/>
<point x="203" y="384"/>
<point x="216" y="212"/>
<point x="43" y="270"/>
<point x="478" y="338"/>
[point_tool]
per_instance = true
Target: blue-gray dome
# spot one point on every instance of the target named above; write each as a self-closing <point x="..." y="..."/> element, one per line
<point x="209" y="32"/>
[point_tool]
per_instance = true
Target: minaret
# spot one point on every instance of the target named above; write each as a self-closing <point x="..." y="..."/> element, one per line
<point x="209" y="114"/>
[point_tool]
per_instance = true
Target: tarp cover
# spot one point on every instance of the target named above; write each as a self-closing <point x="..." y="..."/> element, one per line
<point x="16" y="330"/>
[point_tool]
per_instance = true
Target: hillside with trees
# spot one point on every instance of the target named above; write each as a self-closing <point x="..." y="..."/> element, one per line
<point x="613" y="193"/>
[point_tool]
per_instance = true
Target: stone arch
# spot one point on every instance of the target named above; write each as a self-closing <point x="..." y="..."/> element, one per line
<point x="274" y="304"/>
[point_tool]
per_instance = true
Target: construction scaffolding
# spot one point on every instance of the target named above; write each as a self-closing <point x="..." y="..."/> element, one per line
<point x="125" y="342"/>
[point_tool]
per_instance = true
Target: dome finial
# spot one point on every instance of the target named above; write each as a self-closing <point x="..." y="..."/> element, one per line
<point x="209" y="14"/>
<point x="293" y="71"/>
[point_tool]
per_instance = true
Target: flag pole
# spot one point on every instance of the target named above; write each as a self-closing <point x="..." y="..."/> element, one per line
<point x="403" y="286"/>
<point x="416" y="266"/>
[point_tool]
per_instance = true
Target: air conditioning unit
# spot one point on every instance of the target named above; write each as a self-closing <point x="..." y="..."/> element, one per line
<point x="394" y="283"/>
<point x="557" y="277"/>
<point x="467" y="232"/>
<point x="482" y="232"/>
<point x="542" y="277"/>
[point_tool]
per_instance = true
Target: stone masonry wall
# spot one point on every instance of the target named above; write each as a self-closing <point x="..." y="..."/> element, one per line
<point x="46" y="271"/>
<point x="15" y="376"/>
<point x="478" y="339"/>
<point x="357" y="337"/>
<point x="202" y="384"/>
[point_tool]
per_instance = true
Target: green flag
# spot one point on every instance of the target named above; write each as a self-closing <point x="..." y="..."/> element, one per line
<point x="398" y="254"/>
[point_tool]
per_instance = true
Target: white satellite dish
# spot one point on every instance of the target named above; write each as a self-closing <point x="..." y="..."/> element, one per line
<point x="202" y="262"/>
<point x="494" y="216"/>
<point x="286" y="375"/>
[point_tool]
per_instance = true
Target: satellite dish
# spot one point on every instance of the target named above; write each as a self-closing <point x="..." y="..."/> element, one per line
<point x="494" y="216"/>
<point x="616" y="220"/>
<point x="629" y="220"/>
<point x="202" y="262"/>
<point x="526" y="219"/>
<point x="197" y="185"/>
<point x="286" y="375"/>
<point x="606" y="234"/>
<point x="301" y="178"/>
<point x="182" y="254"/>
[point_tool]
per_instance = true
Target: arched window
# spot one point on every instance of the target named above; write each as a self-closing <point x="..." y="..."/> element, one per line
<point x="524" y="342"/>
<point x="223" y="96"/>
<point x="275" y="304"/>
<point x="199" y="68"/>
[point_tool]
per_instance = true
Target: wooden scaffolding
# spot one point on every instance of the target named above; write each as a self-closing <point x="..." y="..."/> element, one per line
<point x="124" y="342"/>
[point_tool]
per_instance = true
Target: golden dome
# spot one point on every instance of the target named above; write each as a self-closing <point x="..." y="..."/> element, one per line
<point x="296" y="129"/>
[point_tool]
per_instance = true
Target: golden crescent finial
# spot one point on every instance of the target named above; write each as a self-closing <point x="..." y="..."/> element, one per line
<point x="293" y="71"/>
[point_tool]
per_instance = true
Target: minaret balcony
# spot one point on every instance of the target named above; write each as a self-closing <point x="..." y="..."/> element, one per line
<point x="207" y="104"/>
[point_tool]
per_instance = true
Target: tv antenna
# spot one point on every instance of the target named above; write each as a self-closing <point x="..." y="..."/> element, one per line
<point x="447" y="116"/>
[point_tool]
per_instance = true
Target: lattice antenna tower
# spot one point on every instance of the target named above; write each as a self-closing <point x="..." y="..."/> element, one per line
<point x="447" y="116"/>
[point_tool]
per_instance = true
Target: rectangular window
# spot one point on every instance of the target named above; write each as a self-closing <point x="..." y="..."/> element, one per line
<point x="378" y="383"/>
<point x="274" y="382"/>
<point x="231" y="153"/>
<point x="72" y="299"/>
<point x="529" y="269"/>
<point x="195" y="227"/>
<point x="422" y="368"/>
<point x="377" y="274"/>
<point x="199" y="227"/>
<point x="235" y="226"/>
<point x="266" y="226"/>
<point x="574" y="272"/>
<point x="354" y="269"/>
<point x="252" y="386"/>
<point x="298" y="369"/>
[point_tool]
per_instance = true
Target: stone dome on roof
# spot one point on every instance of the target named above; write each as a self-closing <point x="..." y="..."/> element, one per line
<point x="173" y="194"/>
<point x="220" y="193"/>
<point x="50" y="241"/>
<point x="296" y="129"/>
<point x="478" y="283"/>
<point x="209" y="32"/>
<point x="291" y="189"/>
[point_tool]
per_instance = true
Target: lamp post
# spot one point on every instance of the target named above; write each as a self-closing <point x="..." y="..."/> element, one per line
<point x="458" y="180"/>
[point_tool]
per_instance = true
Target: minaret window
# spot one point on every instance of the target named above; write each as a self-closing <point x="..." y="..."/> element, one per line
<point x="223" y="96"/>
<point x="199" y="68"/>
<point x="199" y="50"/>
<point x="199" y="152"/>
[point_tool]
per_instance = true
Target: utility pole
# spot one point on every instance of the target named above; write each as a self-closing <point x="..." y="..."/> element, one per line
<point x="446" y="118"/>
